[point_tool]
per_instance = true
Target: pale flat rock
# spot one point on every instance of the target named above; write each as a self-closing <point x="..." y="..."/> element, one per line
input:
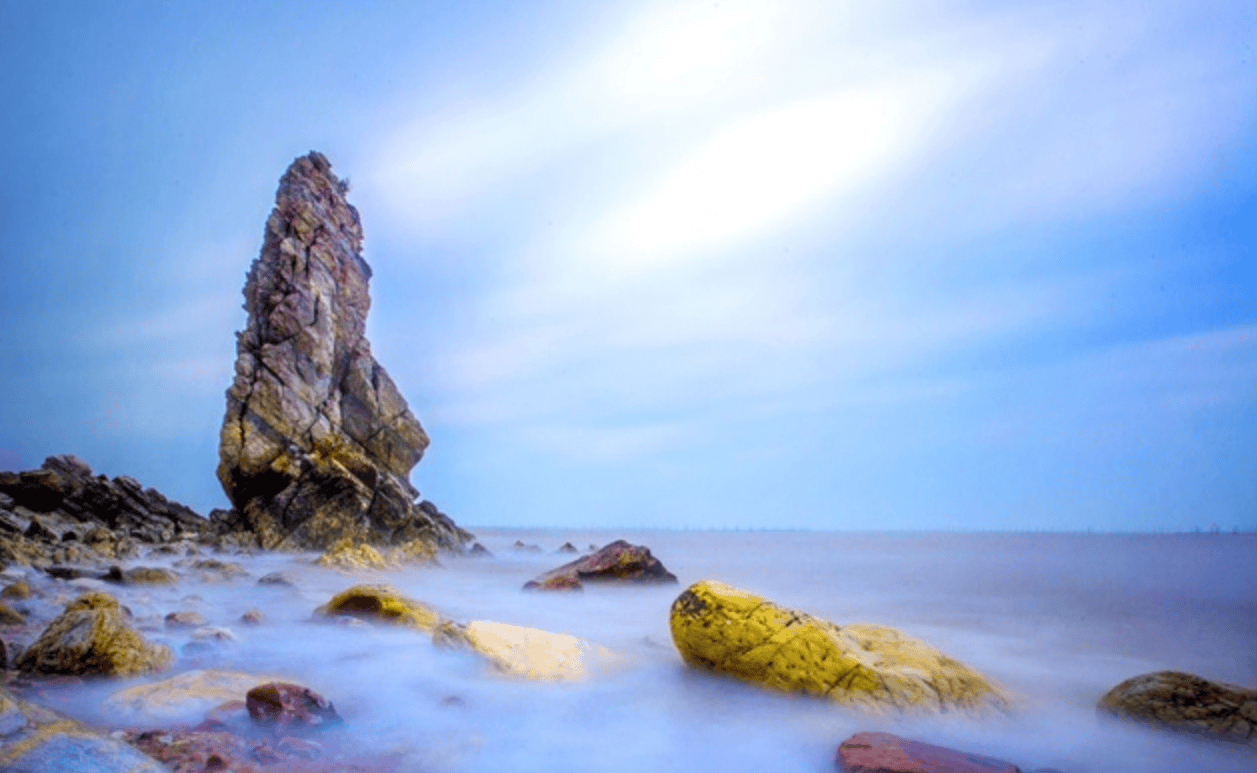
<point x="187" y="694"/>
<point x="530" y="653"/>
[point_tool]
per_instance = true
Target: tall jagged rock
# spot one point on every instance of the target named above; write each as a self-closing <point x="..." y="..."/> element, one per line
<point x="317" y="443"/>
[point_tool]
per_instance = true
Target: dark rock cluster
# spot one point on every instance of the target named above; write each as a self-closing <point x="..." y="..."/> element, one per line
<point x="62" y="513"/>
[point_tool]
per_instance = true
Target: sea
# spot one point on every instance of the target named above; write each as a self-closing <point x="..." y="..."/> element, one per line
<point x="1055" y="619"/>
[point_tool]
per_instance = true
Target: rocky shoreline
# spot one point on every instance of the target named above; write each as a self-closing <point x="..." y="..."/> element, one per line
<point x="316" y="449"/>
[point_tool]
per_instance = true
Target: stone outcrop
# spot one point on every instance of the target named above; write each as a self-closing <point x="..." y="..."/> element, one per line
<point x="62" y="513"/>
<point x="725" y="629"/>
<point x="1186" y="703"/>
<point x="93" y="637"/>
<point x="615" y="562"/>
<point x="317" y="443"/>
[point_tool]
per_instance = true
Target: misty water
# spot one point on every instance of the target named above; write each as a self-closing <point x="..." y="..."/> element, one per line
<point x="1056" y="619"/>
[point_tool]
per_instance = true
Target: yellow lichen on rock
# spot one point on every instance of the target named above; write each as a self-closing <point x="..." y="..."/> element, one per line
<point x="93" y="638"/>
<point x="725" y="629"/>
<point x="350" y="556"/>
<point x="529" y="653"/>
<point x="383" y="604"/>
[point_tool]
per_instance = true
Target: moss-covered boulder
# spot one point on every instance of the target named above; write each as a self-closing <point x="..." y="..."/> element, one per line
<point x="725" y="629"/>
<point x="381" y="604"/>
<point x="92" y="637"/>
<point x="529" y="653"/>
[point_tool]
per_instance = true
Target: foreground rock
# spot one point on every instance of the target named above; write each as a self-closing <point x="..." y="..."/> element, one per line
<point x="287" y="708"/>
<point x="617" y="562"/>
<point x="36" y="739"/>
<point x="381" y="604"/>
<point x="725" y="629"/>
<point x="64" y="514"/>
<point x="886" y="753"/>
<point x="317" y="443"/>
<point x="93" y="637"/>
<point x="189" y="694"/>
<point x="1186" y="703"/>
<point x="528" y="653"/>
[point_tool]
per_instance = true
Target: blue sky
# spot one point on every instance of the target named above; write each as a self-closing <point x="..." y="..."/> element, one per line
<point x="847" y="265"/>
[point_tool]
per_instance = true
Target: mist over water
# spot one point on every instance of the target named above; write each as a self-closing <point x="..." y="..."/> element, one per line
<point x="1056" y="619"/>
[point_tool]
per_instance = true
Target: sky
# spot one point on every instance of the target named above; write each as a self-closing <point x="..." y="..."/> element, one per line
<point x="761" y="265"/>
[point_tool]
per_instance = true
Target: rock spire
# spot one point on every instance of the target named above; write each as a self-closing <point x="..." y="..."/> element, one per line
<point x="317" y="443"/>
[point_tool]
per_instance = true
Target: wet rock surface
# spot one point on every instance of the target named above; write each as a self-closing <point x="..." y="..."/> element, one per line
<point x="616" y="562"/>
<point x="718" y="627"/>
<point x="1186" y="703"/>
<point x="317" y="442"/>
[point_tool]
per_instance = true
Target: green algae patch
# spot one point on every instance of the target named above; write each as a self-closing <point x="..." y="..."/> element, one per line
<point x="725" y="629"/>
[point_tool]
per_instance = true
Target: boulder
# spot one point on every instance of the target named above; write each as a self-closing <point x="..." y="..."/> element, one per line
<point x="616" y="562"/>
<point x="92" y="637"/>
<point x="288" y="707"/>
<point x="348" y="556"/>
<point x="381" y="604"/>
<point x="317" y="442"/>
<point x="37" y="739"/>
<point x="725" y="629"/>
<point x="886" y="753"/>
<point x="21" y="589"/>
<point x="185" y="696"/>
<point x="1186" y="703"/>
<point x="530" y="653"/>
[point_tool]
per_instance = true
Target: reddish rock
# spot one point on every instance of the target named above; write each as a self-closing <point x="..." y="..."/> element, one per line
<point x="290" y="707"/>
<point x="886" y="753"/>
<point x="616" y="562"/>
<point x="253" y="617"/>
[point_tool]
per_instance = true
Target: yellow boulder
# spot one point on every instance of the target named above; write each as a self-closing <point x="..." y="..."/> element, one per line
<point x="381" y="604"/>
<point x="530" y="653"/>
<point x="725" y="629"/>
<point x="93" y="637"/>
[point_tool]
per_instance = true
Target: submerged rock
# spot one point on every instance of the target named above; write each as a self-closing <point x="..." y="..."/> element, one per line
<point x="37" y="739"/>
<point x="1186" y="703"/>
<point x="381" y="604"/>
<point x="725" y="629"/>
<point x="92" y="637"/>
<point x="529" y="653"/>
<point x="616" y="562"/>
<point x="317" y="443"/>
